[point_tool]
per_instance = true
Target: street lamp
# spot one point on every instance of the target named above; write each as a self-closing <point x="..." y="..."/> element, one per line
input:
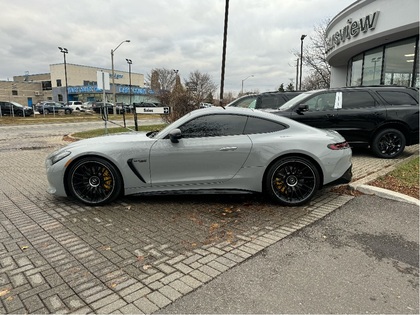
<point x="301" y="59"/>
<point x="242" y="88"/>
<point x="65" y="51"/>
<point x="130" y="62"/>
<point x="112" y="73"/>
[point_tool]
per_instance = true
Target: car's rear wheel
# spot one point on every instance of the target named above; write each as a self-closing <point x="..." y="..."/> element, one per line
<point x="292" y="181"/>
<point x="67" y="111"/>
<point x="94" y="181"/>
<point x="46" y="111"/>
<point x="388" y="143"/>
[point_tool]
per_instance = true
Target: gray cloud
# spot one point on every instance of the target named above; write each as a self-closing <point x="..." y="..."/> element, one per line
<point x="181" y="34"/>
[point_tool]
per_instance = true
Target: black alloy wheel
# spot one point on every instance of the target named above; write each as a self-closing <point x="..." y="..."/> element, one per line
<point x="388" y="144"/>
<point x="292" y="181"/>
<point x="94" y="181"/>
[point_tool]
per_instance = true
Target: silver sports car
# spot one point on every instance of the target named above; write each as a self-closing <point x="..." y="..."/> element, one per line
<point x="208" y="150"/>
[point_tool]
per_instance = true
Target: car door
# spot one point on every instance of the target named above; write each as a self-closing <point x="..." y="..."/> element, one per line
<point x="212" y="149"/>
<point x="359" y="116"/>
<point x="322" y="110"/>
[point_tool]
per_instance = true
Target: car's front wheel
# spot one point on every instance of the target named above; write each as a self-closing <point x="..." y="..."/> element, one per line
<point x="292" y="181"/>
<point x="45" y="111"/>
<point x="94" y="181"/>
<point x="388" y="143"/>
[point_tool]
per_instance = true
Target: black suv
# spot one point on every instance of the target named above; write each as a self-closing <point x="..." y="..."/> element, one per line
<point x="14" y="109"/>
<point x="267" y="101"/>
<point x="384" y="118"/>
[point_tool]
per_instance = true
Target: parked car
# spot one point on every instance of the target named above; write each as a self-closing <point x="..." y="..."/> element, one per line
<point x="124" y="108"/>
<point x="268" y="101"/>
<point x="384" y="118"/>
<point x="207" y="150"/>
<point x="76" y="105"/>
<point x="15" y="109"/>
<point x="98" y="107"/>
<point x="52" y="107"/>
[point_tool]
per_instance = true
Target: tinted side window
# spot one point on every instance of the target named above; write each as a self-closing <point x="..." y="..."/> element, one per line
<point x="321" y="102"/>
<point x="358" y="99"/>
<point x="258" y="125"/>
<point x="397" y="98"/>
<point x="268" y="101"/>
<point x="214" y="126"/>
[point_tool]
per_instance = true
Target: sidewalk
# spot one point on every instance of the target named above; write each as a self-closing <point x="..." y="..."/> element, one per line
<point x="362" y="258"/>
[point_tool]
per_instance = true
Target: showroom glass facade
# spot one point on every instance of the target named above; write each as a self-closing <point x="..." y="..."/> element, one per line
<point x="396" y="63"/>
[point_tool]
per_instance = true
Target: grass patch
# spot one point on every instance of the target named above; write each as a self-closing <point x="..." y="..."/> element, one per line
<point x="403" y="179"/>
<point x="407" y="173"/>
<point x="112" y="130"/>
<point x="75" y="117"/>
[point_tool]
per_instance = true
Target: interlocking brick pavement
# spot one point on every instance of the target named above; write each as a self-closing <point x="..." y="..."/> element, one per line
<point x="138" y="254"/>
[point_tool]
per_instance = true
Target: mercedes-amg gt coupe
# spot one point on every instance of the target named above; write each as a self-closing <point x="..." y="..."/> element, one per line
<point x="211" y="150"/>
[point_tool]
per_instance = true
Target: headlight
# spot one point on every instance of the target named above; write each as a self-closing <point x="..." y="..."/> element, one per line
<point x="58" y="156"/>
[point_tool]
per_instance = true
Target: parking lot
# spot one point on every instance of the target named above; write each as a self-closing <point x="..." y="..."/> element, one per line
<point x="138" y="254"/>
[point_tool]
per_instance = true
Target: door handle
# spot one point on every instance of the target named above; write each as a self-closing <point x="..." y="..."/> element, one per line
<point x="228" y="148"/>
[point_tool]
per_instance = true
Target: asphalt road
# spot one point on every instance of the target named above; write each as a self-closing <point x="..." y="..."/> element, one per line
<point x="362" y="258"/>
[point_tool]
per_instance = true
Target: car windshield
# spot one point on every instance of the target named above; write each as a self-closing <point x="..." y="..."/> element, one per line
<point x="17" y="104"/>
<point x="294" y="101"/>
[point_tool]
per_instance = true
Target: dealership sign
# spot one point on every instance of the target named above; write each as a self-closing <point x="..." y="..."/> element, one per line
<point x="352" y="29"/>
<point x="153" y="110"/>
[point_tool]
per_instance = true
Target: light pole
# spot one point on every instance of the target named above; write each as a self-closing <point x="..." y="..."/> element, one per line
<point x="130" y="62"/>
<point x="65" y="51"/>
<point x="242" y="88"/>
<point x="301" y="59"/>
<point x="112" y="72"/>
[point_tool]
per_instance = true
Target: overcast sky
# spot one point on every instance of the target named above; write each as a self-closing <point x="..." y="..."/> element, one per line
<point x="186" y="35"/>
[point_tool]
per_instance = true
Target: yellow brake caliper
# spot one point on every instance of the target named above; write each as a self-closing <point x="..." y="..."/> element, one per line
<point x="107" y="179"/>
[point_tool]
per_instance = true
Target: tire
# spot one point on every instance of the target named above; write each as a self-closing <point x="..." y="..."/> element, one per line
<point x="67" y="111"/>
<point x="94" y="181"/>
<point x="292" y="181"/>
<point x="45" y="111"/>
<point x="388" y="144"/>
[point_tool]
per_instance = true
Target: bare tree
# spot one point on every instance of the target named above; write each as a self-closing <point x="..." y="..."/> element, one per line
<point x="162" y="79"/>
<point x="200" y="85"/>
<point x="315" y="59"/>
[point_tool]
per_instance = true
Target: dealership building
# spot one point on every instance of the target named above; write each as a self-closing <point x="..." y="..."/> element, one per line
<point x="81" y="82"/>
<point x="375" y="42"/>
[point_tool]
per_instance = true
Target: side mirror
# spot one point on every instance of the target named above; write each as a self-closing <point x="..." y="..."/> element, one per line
<point x="174" y="135"/>
<point x="302" y="108"/>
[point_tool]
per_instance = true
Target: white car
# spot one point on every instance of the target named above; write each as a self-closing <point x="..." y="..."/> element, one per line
<point x="76" y="105"/>
<point x="208" y="150"/>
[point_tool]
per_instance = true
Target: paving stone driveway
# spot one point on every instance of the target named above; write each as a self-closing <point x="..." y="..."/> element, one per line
<point x="136" y="255"/>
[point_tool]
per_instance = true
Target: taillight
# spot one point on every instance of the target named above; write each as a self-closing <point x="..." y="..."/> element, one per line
<point x="339" y="146"/>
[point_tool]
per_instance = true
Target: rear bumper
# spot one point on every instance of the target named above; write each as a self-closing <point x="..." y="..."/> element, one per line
<point x="344" y="179"/>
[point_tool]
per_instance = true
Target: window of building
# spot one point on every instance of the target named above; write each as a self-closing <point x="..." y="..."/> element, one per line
<point x="399" y="62"/>
<point x="396" y="63"/>
<point x="356" y="71"/>
<point x="372" y="67"/>
<point x="46" y="85"/>
<point x="14" y="92"/>
<point x="58" y="82"/>
<point x="60" y="97"/>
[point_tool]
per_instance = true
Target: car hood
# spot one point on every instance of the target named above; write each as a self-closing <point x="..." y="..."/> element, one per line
<point x="111" y="139"/>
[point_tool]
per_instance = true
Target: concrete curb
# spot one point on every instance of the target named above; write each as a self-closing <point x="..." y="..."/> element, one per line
<point x="360" y="185"/>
